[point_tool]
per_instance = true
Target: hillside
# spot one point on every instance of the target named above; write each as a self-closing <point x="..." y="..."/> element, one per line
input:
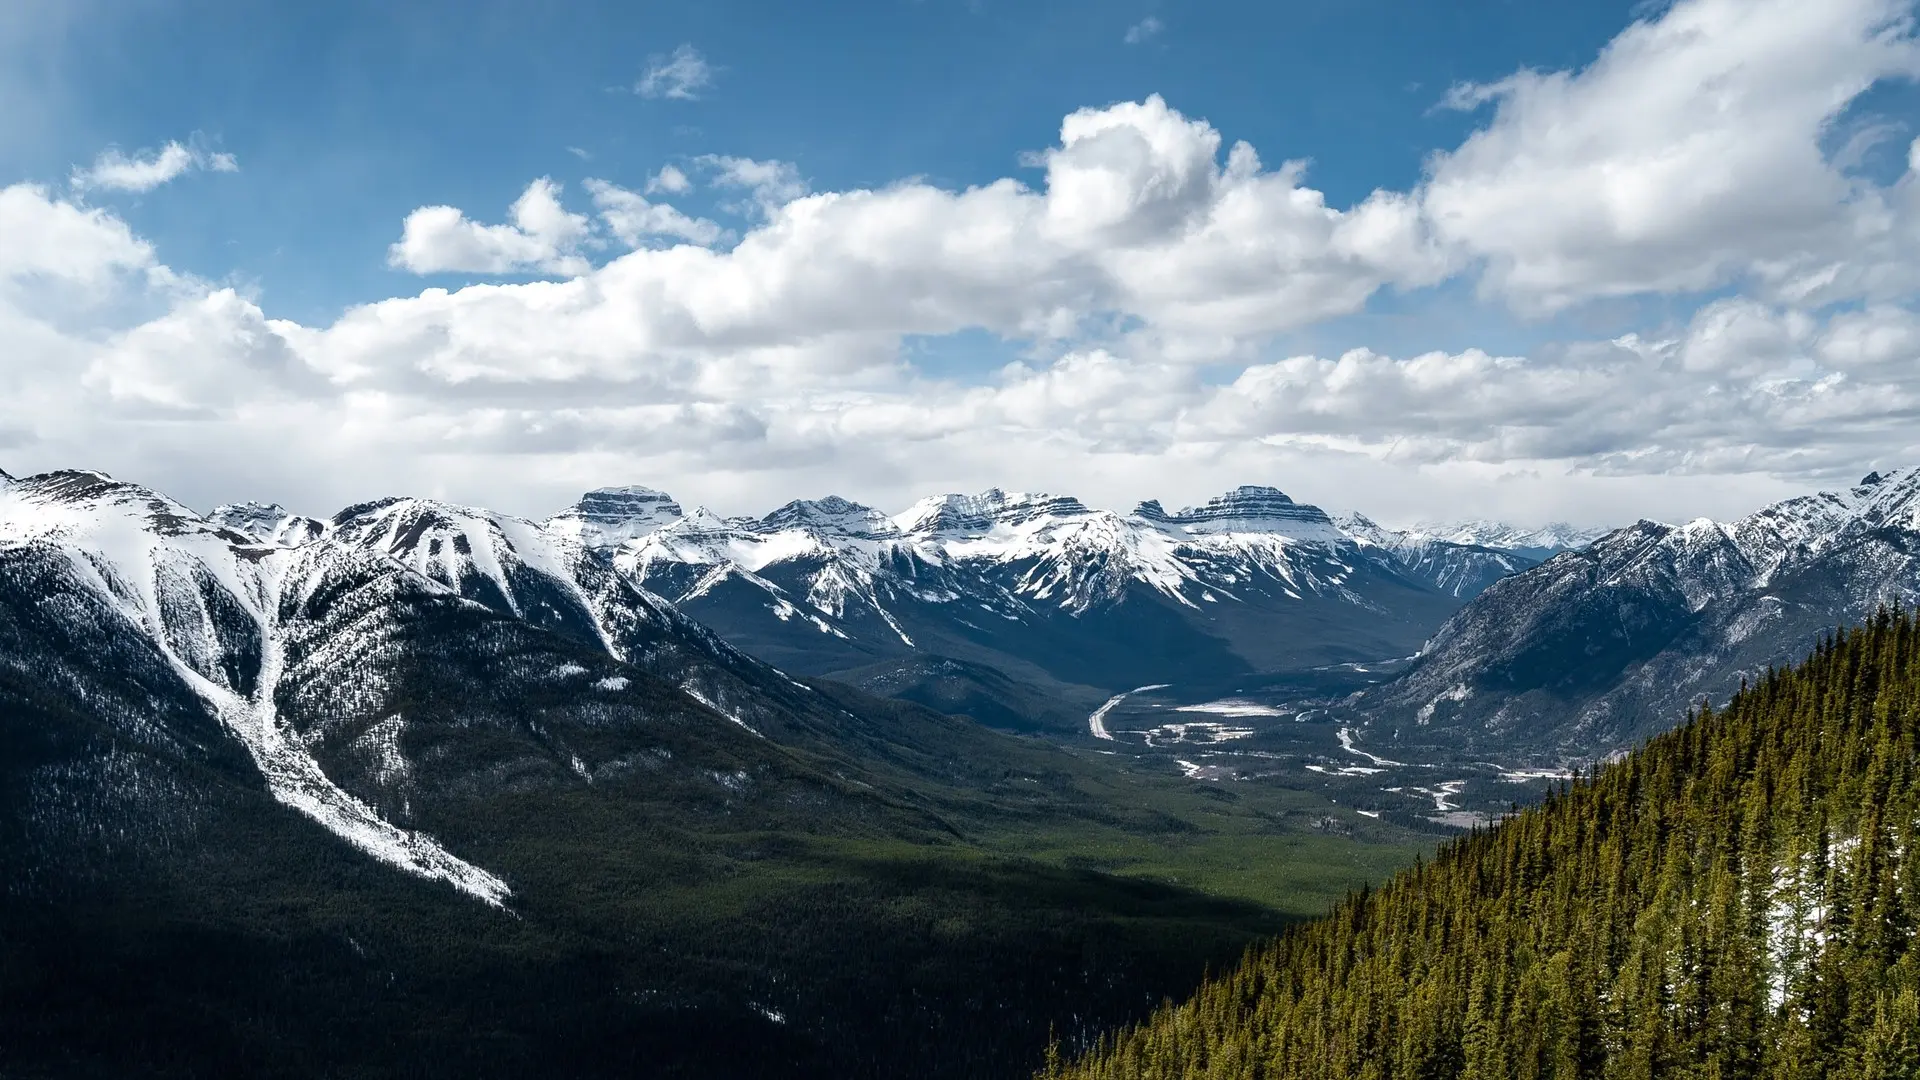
<point x="1737" y="898"/>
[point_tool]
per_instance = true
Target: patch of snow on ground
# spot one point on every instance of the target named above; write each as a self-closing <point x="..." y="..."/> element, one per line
<point x="1345" y="770"/>
<point x="704" y="700"/>
<point x="1346" y="743"/>
<point x="1199" y="732"/>
<point x="1233" y="708"/>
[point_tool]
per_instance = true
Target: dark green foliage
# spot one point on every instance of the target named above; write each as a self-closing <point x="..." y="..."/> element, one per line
<point x="1737" y="899"/>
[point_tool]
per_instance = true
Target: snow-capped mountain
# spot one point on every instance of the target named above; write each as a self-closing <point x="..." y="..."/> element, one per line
<point x="1541" y="543"/>
<point x="367" y="672"/>
<point x="1597" y="647"/>
<point x="1460" y="568"/>
<point x="1040" y="585"/>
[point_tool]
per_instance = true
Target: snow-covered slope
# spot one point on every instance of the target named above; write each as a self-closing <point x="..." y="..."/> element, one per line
<point x="211" y="602"/>
<point x="1596" y="648"/>
<point x="1460" y="568"/>
<point x="369" y="670"/>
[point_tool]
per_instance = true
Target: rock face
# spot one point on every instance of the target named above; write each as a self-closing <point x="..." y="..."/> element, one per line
<point x="1247" y="509"/>
<point x="608" y="516"/>
<point x="1595" y="649"/>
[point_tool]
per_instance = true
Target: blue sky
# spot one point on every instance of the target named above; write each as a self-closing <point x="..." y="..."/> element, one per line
<point x="1583" y="260"/>
<point x="348" y="115"/>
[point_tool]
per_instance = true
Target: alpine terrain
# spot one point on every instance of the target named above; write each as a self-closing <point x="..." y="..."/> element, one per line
<point x="947" y="600"/>
<point x="1600" y="646"/>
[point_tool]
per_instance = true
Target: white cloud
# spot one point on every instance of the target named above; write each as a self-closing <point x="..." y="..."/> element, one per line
<point x="543" y="237"/>
<point x="678" y="76"/>
<point x="48" y="237"/>
<point x="635" y="220"/>
<point x="115" y="171"/>
<point x="1143" y="30"/>
<point x="212" y="351"/>
<point x="1685" y="157"/>
<point x="669" y="180"/>
<point x="772" y="184"/>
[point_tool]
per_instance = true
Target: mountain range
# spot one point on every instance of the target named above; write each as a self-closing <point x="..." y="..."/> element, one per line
<point x="1079" y="601"/>
<point x="1599" y="647"/>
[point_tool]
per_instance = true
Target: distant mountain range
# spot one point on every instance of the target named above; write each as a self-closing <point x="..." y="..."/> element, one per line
<point x="1599" y="647"/>
<point x="1047" y="590"/>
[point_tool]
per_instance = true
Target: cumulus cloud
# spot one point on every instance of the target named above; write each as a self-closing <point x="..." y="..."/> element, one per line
<point x="49" y="237"/>
<point x="669" y="180"/>
<point x="1687" y="156"/>
<point x="677" y="76"/>
<point x="636" y="221"/>
<point x="115" y="171"/>
<point x="544" y="236"/>
<point x="772" y="184"/>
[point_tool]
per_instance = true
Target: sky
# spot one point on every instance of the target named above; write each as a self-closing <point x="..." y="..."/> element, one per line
<point x="1588" y="261"/>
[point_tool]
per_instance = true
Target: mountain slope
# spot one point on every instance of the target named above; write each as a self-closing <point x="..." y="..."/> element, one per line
<point x="1737" y="898"/>
<point x="1596" y="648"/>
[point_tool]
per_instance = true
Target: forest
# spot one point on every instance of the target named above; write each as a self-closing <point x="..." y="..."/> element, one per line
<point x="1737" y="898"/>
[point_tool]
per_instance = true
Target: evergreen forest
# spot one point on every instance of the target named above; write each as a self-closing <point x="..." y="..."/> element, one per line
<point x="1738" y="898"/>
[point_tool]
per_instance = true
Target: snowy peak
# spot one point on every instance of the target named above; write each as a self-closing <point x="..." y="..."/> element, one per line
<point x="611" y="516"/>
<point x="1246" y="509"/>
<point x="963" y="515"/>
<point x="268" y="523"/>
<point x="1795" y="530"/>
<point x="1553" y="537"/>
<point x="67" y="504"/>
<point x="832" y="516"/>
<point x="509" y="564"/>
<point x="1365" y="530"/>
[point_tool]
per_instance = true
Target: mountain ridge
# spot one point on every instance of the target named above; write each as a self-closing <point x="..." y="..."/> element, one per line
<point x="1587" y="652"/>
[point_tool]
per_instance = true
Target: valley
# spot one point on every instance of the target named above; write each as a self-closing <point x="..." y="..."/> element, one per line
<point x="1275" y="733"/>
